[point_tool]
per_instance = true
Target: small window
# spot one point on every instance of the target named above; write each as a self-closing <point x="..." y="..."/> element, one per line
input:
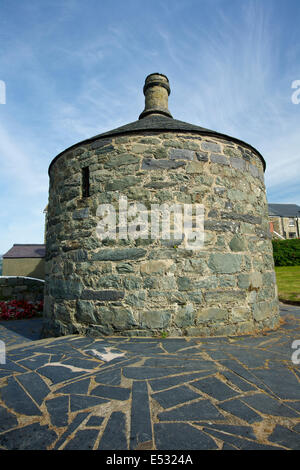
<point x="291" y="222"/>
<point x="85" y="181"/>
<point x="292" y="235"/>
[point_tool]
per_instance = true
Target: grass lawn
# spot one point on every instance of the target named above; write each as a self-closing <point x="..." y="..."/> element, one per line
<point x="288" y="283"/>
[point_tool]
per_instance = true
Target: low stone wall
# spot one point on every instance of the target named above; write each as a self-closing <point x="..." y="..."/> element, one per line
<point x="21" y="288"/>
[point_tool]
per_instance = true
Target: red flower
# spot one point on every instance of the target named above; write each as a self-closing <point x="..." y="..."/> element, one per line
<point x="19" y="309"/>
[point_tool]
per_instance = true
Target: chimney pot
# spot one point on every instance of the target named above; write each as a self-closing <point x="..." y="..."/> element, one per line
<point x="156" y="91"/>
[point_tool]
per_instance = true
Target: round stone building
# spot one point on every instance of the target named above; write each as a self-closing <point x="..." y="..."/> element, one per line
<point x="126" y="284"/>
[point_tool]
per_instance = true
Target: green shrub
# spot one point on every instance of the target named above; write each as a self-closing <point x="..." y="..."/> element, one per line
<point x="286" y="252"/>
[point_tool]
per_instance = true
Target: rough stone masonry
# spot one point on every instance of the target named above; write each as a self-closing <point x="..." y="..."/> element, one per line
<point x="147" y="287"/>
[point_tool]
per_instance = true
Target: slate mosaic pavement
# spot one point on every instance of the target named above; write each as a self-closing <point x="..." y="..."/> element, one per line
<point x="240" y="393"/>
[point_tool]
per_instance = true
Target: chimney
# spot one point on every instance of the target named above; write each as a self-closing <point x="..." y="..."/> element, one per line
<point x="156" y="91"/>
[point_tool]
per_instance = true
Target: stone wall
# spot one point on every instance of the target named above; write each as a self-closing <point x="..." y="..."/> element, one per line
<point x="147" y="287"/>
<point x="21" y="288"/>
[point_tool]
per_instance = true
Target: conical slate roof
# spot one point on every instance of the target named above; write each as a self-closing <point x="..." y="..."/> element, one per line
<point x="155" y="122"/>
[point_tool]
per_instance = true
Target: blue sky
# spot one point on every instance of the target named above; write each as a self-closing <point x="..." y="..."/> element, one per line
<point x="74" y="69"/>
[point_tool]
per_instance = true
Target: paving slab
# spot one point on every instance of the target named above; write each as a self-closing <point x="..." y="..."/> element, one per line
<point x="84" y="440"/>
<point x="122" y="393"/>
<point x="175" y="396"/>
<point x="285" y="437"/>
<point x="114" y="436"/>
<point x="215" y="388"/>
<point x="80" y="417"/>
<point x="140" y="423"/>
<point x="173" y="436"/>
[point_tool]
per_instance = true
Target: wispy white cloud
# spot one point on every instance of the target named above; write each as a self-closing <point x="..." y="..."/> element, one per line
<point x="21" y="167"/>
<point x="231" y="84"/>
<point x="23" y="193"/>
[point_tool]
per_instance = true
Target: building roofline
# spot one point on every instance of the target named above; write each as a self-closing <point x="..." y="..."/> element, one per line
<point x="13" y="252"/>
